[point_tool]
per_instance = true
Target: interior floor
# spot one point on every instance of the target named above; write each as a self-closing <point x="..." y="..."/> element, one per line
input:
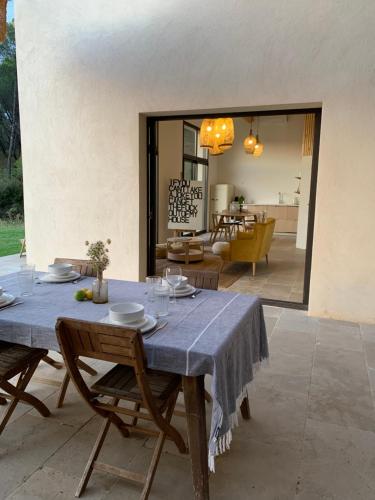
<point x="281" y="279"/>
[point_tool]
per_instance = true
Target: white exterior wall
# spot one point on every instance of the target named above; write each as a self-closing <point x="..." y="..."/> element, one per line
<point x="87" y="70"/>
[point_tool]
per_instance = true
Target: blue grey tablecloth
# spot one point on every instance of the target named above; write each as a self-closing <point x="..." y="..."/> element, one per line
<point x="217" y="333"/>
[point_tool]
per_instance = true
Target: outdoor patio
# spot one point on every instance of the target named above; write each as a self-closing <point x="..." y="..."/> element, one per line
<point x="311" y="436"/>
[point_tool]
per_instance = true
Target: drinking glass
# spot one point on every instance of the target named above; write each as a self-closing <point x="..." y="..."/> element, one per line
<point x="152" y="282"/>
<point x="25" y="278"/>
<point x="161" y="294"/>
<point x="173" y="275"/>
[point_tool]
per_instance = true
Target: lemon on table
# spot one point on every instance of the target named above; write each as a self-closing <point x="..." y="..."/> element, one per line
<point x="88" y="294"/>
<point x="80" y="295"/>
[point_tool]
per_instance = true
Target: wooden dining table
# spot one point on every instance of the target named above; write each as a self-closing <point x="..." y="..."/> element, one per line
<point x="210" y="334"/>
<point x="233" y="219"/>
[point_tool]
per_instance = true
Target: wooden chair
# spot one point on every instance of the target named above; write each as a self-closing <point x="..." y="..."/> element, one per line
<point x="202" y="279"/>
<point x="130" y="380"/>
<point x="218" y="226"/>
<point x="18" y="359"/>
<point x="85" y="268"/>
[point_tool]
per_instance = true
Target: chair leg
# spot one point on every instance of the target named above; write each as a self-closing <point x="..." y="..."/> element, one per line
<point x="157" y="452"/>
<point x="85" y="367"/>
<point x="18" y="394"/>
<point x="3" y="401"/>
<point x="134" y="421"/>
<point x="254" y="268"/>
<point x="56" y="364"/>
<point x="93" y="456"/>
<point x="63" y="388"/>
<point x="267" y="258"/>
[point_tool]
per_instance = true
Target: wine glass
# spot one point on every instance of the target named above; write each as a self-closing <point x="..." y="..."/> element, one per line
<point x="173" y="275"/>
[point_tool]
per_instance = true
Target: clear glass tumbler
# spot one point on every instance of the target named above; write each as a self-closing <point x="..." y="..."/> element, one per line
<point x="25" y="279"/>
<point x="161" y="304"/>
<point x="151" y="282"/>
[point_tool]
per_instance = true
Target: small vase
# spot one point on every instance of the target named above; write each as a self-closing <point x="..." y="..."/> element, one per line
<point x="100" y="289"/>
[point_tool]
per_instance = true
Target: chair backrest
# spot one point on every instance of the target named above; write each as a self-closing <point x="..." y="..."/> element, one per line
<point x="108" y="343"/>
<point x="202" y="279"/>
<point x="81" y="266"/>
<point x="264" y="233"/>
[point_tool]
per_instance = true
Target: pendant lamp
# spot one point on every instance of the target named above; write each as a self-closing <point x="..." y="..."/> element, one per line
<point x="258" y="148"/>
<point x="224" y="127"/>
<point x="249" y="143"/>
<point x="206" y="136"/>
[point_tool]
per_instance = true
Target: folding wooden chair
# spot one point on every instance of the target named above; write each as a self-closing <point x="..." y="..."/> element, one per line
<point x="130" y="380"/>
<point x="18" y="359"/>
<point x="84" y="268"/>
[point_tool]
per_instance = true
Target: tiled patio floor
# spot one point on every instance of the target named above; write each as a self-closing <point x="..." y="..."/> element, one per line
<point x="312" y="435"/>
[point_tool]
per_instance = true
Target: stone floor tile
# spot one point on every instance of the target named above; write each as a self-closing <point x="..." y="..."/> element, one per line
<point x="368" y="332"/>
<point x="272" y="312"/>
<point x="292" y="342"/>
<point x="338" y="463"/>
<point x="371" y="374"/>
<point x="370" y="353"/>
<point x="25" y="445"/>
<point x="270" y="472"/>
<point x="270" y="324"/>
<point x="50" y="484"/>
<point x="339" y="337"/>
<point x="340" y="390"/>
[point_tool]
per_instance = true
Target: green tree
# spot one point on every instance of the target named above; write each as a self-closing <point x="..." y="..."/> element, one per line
<point x="10" y="143"/>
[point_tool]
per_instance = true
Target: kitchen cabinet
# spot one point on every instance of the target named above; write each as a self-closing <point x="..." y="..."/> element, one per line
<point x="286" y="216"/>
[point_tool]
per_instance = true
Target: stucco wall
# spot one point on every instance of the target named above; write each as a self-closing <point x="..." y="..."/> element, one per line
<point x="88" y="69"/>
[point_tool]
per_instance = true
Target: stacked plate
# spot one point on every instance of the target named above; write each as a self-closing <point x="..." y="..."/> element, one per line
<point x="60" y="273"/>
<point x="131" y="315"/>
<point x="5" y="298"/>
<point x="184" y="289"/>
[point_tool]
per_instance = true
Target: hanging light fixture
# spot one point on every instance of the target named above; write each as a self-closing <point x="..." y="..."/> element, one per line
<point x="224" y="127"/>
<point x="258" y="148"/>
<point x="3" y="20"/>
<point x="206" y="135"/>
<point x="249" y="142"/>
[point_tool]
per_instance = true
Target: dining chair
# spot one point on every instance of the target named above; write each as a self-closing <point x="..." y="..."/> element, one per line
<point x="16" y="359"/>
<point x="84" y="268"/>
<point x="153" y="393"/>
<point x="219" y="226"/>
<point x="208" y="280"/>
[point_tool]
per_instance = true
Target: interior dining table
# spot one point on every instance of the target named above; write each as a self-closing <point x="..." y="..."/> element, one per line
<point x="237" y="218"/>
<point x="218" y="333"/>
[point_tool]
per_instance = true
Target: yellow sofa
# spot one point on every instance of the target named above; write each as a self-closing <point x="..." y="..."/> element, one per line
<point x="250" y="246"/>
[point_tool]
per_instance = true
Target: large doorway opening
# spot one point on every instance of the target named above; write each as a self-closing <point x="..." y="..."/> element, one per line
<point x="250" y="216"/>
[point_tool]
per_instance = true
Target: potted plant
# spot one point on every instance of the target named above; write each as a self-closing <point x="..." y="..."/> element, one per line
<point x="98" y="253"/>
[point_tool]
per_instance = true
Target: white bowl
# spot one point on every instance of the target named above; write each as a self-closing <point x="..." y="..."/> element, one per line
<point x="62" y="269"/>
<point x="184" y="282"/>
<point x="127" y="312"/>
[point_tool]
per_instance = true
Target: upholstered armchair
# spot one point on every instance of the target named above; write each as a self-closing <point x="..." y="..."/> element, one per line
<point x="249" y="246"/>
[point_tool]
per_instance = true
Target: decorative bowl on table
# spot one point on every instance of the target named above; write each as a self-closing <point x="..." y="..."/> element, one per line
<point x="127" y="313"/>
<point x="182" y="284"/>
<point x="60" y="270"/>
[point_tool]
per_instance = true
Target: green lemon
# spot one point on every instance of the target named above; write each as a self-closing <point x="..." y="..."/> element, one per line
<point x="80" y="295"/>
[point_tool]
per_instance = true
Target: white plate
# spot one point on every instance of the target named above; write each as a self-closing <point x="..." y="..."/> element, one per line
<point x="134" y="324"/>
<point x="50" y="278"/>
<point x="184" y="292"/>
<point x="149" y="325"/>
<point x="8" y="299"/>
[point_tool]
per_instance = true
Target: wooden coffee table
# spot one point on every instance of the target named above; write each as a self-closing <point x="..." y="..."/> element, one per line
<point x="185" y="249"/>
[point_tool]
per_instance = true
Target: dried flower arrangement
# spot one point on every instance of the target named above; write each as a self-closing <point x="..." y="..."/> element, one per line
<point x="98" y="253"/>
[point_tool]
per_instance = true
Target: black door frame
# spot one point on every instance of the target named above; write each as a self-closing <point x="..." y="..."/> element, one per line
<point x="152" y="194"/>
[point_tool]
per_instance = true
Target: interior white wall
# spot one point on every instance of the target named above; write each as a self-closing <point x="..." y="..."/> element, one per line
<point x="259" y="179"/>
<point x="86" y="72"/>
